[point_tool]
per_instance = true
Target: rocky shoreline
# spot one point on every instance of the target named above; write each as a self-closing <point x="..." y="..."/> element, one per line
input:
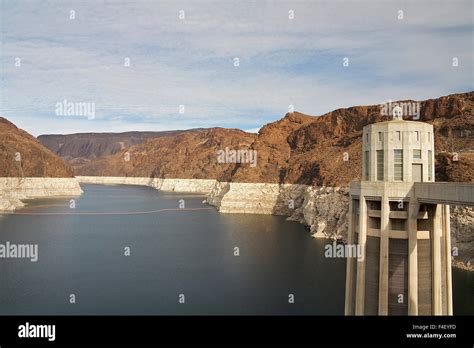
<point x="14" y="190"/>
<point x="322" y="209"/>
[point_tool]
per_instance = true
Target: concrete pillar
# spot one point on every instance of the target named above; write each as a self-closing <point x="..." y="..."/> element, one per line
<point x="413" y="209"/>
<point x="383" y="268"/>
<point x="360" y="289"/>
<point x="447" y="239"/>
<point x="350" y="261"/>
<point x="437" y="304"/>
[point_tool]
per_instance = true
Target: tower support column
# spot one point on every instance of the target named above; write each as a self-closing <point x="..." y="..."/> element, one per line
<point x="437" y="306"/>
<point x="447" y="243"/>
<point x="360" y="291"/>
<point x="383" y="267"/>
<point x="350" y="261"/>
<point x="413" y="209"/>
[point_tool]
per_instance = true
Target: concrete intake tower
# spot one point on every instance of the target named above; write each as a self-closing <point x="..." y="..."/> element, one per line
<point x="400" y="219"/>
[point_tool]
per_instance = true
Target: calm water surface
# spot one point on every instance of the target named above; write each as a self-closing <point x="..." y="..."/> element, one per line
<point x="171" y="253"/>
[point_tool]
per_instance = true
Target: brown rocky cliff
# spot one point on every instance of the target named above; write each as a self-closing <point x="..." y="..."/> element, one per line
<point x="273" y="150"/>
<point x="35" y="159"/>
<point x="79" y="149"/>
<point x="189" y="155"/>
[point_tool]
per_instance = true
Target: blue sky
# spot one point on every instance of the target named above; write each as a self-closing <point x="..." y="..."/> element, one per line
<point x="189" y="61"/>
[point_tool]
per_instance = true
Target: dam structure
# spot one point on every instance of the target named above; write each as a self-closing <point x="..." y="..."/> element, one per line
<point x="399" y="217"/>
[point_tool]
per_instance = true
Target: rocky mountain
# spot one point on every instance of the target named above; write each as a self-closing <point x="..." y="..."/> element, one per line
<point x="79" y="149"/>
<point x="188" y="155"/>
<point x="22" y="155"/>
<point x="302" y="149"/>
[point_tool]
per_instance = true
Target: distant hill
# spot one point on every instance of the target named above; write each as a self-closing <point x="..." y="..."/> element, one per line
<point x="79" y="149"/>
<point x="22" y="155"/>
<point x="296" y="149"/>
<point x="189" y="154"/>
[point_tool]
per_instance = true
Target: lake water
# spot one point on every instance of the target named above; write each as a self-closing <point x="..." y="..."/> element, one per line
<point x="174" y="255"/>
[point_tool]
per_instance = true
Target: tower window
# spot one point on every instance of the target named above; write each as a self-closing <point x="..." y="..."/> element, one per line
<point x="367" y="137"/>
<point x="398" y="165"/>
<point x="417" y="136"/>
<point x="399" y="135"/>
<point x="417" y="154"/>
<point x="367" y="165"/>
<point x="430" y="166"/>
<point x="429" y="137"/>
<point x="380" y="136"/>
<point x="379" y="165"/>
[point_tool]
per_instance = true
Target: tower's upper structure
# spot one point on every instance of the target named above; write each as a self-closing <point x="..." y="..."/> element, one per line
<point x="398" y="151"/>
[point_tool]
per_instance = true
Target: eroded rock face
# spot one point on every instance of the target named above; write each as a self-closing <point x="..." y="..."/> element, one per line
<point x="324" y="210"/>
<point x="14" y="190"/>
<point x="79" y="149"/>
<point x="22" y="155"/>
<point x="29" y="170"/>
<point x="189" y="155"/>
<point x="462" y="236"/>
<point x="274" y="151"/>
<point x="8" y="203"/>
<point x="258" y="198"/>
